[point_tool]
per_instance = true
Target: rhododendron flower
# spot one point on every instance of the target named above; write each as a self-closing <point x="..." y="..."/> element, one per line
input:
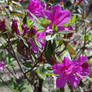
<point x="34" y="47"/>
<point x="2" y="64"/>
<point x="2" y="25"/>
<point x="71" y="71"/>
<point x="35" y="8"/>
<point x="57" y="16"/>
<point x="81" y="67"/>
<point x="14" y="27"/>
<point x="25" y="29"/>
<point x="65" y="72"/>
<point x="40" y="37"/>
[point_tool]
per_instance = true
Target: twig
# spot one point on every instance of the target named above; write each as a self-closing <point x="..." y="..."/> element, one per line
<point x="11" y="73"/>
<point x="32" y="68"/>
<point x="14" y="55"/>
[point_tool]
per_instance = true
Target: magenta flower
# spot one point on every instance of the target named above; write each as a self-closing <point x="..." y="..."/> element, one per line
<point x="14" y="27"/>
<point x="57" y="16"/>
<point x="2" y="64"/>
<point x="81" y="67"/>
<point x="34" y="47"/>
<point x="71" y="71"/>
<point x="35" y="8"/>
<point x="78" y="2"/>
<point x="65" y="72"/>
<point x="2" y="25"/>
<point x="40" y="37"/>
<point x="25" y="29"/>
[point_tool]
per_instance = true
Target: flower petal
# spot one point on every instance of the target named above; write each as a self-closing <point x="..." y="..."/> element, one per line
<point x="34" y="48"/>
<point x="73" y="80"/>
<point x="60" y="82"/>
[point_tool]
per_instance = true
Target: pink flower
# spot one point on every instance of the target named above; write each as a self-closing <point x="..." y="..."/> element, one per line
<point x="35" y="8"/>
<point x="57" y="16"/>
<point x="81" y="67"/>
<point x="65" y="72"/>
<point x="34" y="47"/>
<point x="71" y="71"/>
<point x="25" y="29"/>
<point x="14" y="27"/>
<point x="2" y="25"/>
<point x="40" y="37"/>
<point x="2" y="64"/>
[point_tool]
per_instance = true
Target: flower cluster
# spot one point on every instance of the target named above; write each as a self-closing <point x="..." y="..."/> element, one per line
<point x="35" y="8"/>
<point x="56" y="15"/>
<point x="71" y="71"/>
<point x="14" y="27"/>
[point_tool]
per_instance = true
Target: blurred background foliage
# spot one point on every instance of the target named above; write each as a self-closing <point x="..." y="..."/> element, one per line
<point x="81" y="17"/>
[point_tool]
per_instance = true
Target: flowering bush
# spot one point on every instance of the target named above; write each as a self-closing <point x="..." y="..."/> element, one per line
<point x="44" y="41"/>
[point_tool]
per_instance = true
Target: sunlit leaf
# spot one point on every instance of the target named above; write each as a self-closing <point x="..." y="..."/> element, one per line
<point x="71" y="50"/>
<point x="17" y="13"/>
<point x="73" y="19"/>
<point x="35" y="17"/>
<point x="61" y="42"/>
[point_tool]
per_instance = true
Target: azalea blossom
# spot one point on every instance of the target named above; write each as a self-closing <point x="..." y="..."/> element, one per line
<point x="40" y="37"/>
<point x="34" y="47"/>
<point x="14" y="27"/>
<point x="65" y="73"/>
<point x="81" y="67"/>
<point x="57" y="16"/>
<point x="35" y="8"/>
<point x="25" y="29"/>
<point x="2" y="64"/>
<point x="70" y="71"/>
<point x="2" y="24"/>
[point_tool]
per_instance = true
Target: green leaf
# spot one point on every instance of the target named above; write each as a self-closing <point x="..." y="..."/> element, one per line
<point x="17" y="13"/>
<point x="27" y="64"/>
<point x="88" y="37"/>
<point x="73" y="19"/>
<point x="65" y="32"/>
<point x="66" y="24"/>
<point x="29" y="23"/>
<point x="35" y="17"/>
<point x="58" y="59"/>
<point x="8" y="59"/>
<point x="60" y="42"/>
<point x="44" y="22"/>
<point x="50" y="49"/>
<point x="38" y="44"/>
<point x="40" y="71"/>
<point x="43" y="70"/>
<point x="50" y="37"/>
<point x="71" y="50"/>
<point x="54" y="27"/>
<point x="1" y="54"/>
